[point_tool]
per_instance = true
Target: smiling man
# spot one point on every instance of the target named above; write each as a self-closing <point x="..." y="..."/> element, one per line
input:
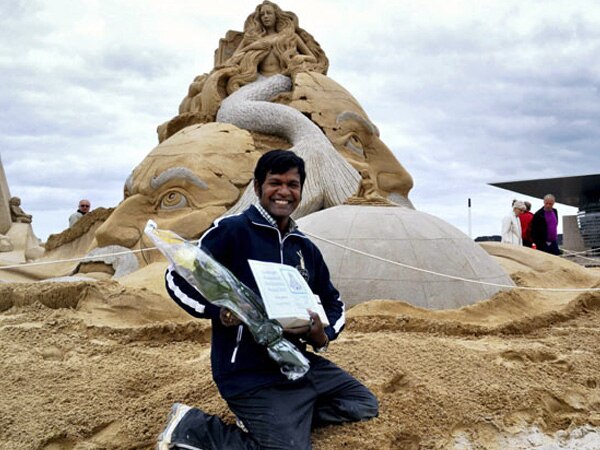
<point x="272" y="412"/>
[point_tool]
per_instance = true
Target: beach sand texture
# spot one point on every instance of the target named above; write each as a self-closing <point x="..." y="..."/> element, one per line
<point x="97" y="364"/>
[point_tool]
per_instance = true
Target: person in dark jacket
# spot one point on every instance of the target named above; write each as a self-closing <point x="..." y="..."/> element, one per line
<point x="272" y="412"/>
<point x="544" y="226"/>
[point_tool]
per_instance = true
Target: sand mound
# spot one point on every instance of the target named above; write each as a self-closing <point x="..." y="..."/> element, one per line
<point x="522" y="259"/>
<point x="90" y="221"/>
<point x="96" y="365"/>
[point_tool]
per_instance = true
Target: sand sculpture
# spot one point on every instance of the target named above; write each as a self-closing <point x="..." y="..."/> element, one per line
<point x="18" y="243"/>
<point x="330" y="178"/>
<point x="5" y="244"/>
<point x="5" y="220"/>
<point x="272" y="47"/>
<point x="411" y="238"/>
<point x="351" y="131"/>
<point x="272" y="43"/>
<point x="366" y="187"/>
<point x="16" y="212"/>
<point x="367" y="194"/>
<point x="272" y="59"/>
<point x="183" y="184"/>
<point x="269" y="89"/>
<point x="519" y="370"/>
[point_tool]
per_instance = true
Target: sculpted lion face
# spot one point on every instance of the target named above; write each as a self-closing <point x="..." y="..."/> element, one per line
<point x="183" y="184"/>
<point x="351" y="131"/>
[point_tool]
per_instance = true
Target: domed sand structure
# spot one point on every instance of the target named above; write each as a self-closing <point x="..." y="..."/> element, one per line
<point x="432" y="254"/>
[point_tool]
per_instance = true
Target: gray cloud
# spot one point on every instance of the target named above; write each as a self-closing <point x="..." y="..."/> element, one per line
<point x="496" y="92"/>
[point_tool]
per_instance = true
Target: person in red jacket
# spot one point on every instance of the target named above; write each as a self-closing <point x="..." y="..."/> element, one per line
<point x="525" y="219"/>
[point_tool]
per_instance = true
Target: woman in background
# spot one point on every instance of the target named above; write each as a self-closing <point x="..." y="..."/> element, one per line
<point x="511" y="226"/>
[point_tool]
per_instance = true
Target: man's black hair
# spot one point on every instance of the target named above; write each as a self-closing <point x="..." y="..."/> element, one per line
<point x="278" y="162"/>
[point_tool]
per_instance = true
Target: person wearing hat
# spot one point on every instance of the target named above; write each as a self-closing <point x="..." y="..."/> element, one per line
<point x="511" y="226"/>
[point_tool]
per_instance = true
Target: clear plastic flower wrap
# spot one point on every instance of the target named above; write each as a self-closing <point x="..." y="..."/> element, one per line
<point x="220" y="287"/>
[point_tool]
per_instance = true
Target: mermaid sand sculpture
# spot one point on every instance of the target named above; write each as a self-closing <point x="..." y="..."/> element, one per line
<point x="269" y="58"/>
<point x="269" y="83"/>
<point x="272" y="49"/>
<point x="272" y="43"/>
<point x="269" y="89"/>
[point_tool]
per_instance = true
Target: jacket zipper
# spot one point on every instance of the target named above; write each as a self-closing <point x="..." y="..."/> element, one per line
<point x="280" y="245"/>
<point x="241" y="327"/>
<point x="237" y="343"/>
<point x="281" y="240"/>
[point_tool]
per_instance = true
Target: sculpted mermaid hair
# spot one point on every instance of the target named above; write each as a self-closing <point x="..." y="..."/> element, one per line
<point x="285" y="48"/>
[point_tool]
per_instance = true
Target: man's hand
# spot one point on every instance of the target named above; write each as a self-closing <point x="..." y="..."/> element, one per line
<point x="314" y="332"/>
<point x="228" y="318"/>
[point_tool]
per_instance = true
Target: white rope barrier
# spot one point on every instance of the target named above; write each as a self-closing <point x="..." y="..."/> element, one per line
<point x="580" y="252"/>
<point x="579" y="255"/>
<point x="452" y="277"/>
<point x="81" y="259"/>
<point x="369" y="255"/>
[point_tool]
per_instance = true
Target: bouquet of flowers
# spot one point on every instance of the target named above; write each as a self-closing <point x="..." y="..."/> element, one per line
<point x="220" y="287"/>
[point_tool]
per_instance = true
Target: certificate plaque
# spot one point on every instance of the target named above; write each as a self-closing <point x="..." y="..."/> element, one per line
<point x="286" y="294"/>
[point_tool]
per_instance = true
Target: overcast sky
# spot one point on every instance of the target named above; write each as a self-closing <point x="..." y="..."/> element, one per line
<point x="464" y="92"/>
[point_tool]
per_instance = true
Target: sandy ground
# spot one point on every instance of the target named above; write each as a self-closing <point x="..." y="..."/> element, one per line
<point x="97" y="364"/>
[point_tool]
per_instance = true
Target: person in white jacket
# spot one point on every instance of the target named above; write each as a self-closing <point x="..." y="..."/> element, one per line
<point x="511" y="226"/>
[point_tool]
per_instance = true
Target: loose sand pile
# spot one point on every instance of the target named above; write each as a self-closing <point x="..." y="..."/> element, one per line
<point x="97" y="364"/>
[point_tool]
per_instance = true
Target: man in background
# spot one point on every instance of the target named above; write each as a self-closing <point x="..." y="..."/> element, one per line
<point x="83" y="209"/>
<point x="544" y="226"/>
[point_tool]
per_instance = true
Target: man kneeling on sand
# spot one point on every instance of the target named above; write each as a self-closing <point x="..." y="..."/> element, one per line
<point x="272" y="412"/>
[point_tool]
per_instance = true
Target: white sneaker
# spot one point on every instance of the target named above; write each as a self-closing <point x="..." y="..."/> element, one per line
<point x="178" y="410"/>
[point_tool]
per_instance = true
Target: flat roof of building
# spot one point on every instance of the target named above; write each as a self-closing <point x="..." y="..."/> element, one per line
<point x="574" y="191"/>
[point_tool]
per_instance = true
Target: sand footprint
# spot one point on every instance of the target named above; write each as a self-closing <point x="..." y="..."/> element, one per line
<point x="52" y="353"/>
<point x="398" y="382"/>
<point x="532" y="355"/>
<point x="59" y="443"/>
<point x="405" y="441"/>
<point x="103" y="436"/>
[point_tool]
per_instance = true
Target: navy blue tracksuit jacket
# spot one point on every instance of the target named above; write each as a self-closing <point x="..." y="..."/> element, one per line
<point x="239" y="364"/>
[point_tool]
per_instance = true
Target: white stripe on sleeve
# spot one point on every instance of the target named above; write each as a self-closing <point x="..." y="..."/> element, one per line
<point x="337" y="326"/>
<point x="182" y="296"/>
